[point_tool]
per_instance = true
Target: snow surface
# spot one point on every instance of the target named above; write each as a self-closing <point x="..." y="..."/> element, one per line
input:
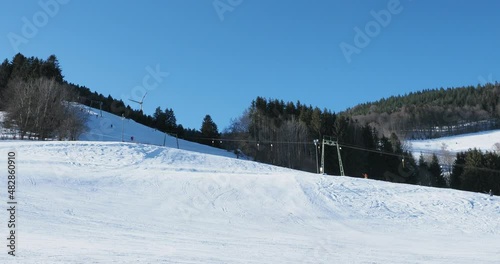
<point x="482" y="140"/>
<point x="114" y="202"/>
<point x="104" y="126"/>
<point x="102" y="201"/>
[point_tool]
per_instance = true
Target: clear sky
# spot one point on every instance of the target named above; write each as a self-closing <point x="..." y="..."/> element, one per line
<point x="222" y="54"/>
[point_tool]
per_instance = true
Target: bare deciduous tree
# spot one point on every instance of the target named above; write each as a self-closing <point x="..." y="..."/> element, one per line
<point x="291" y="133"/>
<point x="39" y="108"/>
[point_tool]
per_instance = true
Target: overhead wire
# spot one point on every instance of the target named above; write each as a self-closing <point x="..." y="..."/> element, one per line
<point x="359" y="148"/>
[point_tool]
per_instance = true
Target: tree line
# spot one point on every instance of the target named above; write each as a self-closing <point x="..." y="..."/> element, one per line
<point x="36" y="98"/>
<point x="163" y="118"/>
<point x="434" y="113"/>
<point x="37" y="101"/>
<point x="476" y="171"/>
<point x="283" y="134"/>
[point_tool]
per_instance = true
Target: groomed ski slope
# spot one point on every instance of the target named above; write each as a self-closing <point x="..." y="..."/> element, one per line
<point x="104" y="126"/>
<point x="485" y="141"/>
<point x="108" y="202"/>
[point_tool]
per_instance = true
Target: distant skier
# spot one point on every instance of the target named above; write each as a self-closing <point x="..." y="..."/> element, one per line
<point x="491" y="192"/>
<point x="132" y="138"/>
<point x="237" y="152"/>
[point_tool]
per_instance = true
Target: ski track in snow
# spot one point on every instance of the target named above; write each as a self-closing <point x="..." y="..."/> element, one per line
<point x="108" y="202"/>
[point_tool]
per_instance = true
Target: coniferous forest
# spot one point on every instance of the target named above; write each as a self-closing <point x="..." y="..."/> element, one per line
<point x="434" y="113"/>
<point x="284" y="133"/>
<point x="22" y="70"/>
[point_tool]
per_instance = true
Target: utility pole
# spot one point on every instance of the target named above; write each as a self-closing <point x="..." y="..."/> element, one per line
<point x="171" y="134"/>
<point x="123" y="119"/>
<point x="99" y="103"/>
<point x="330" y="142"/>
<point x="316" y="141"/>
<point x="340" y="160"/>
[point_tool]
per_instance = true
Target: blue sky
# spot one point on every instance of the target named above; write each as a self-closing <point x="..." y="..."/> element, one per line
<point x="222" y="54"/>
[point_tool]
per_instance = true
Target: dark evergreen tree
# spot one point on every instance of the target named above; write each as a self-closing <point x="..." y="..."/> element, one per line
<point x="170" y="120"/>
<point x="481" y="172"/>
<point x="472" y="177"/>
<point x="209" y="132"/>
<point x="457" y="171"/>
<point x="5" y="72"/>
<point x="159" y="119"/>
<point x="437" y="179"/>
<point x="165" y="120"/>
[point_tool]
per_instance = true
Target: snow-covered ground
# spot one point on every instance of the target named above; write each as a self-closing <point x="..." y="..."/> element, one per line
<point x="104" y="126"/>
<point x="101" y="200"/>
<point x="482" y="140"/>
<point x="114" y="202"/>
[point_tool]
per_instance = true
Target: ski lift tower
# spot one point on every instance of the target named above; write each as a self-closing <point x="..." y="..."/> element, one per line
<point x="97" y="102"/>
<point x="330" y="141"/>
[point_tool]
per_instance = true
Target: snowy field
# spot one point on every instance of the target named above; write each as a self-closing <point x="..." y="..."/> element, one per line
<point x="104" y="126"/>
<point x="113" y="202"/>
<point x="485" y="141"/>
<point x="100" y="200"/>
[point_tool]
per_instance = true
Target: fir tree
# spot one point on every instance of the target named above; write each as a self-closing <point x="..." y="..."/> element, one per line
<point x="437" y="179"/>
<point x="209" y="131"/>
<point x="457" y="171"/>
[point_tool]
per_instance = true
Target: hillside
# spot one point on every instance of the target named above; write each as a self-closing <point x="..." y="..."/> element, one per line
<point x="433" y="113"/>
<point x="104" y="126"/>
<point x="486" y="141"/>
<point x="109" y="202"/>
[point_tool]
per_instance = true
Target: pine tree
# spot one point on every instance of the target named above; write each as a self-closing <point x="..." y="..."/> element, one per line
<point x="5" y="71"/>
<point x="159" y="119"/>
<point x="457" y="171"/>
<point x="209" y="131"/>
<point x="471" y="177"/>
<point x="170" y="120"/>
<point x="436" y="172"/>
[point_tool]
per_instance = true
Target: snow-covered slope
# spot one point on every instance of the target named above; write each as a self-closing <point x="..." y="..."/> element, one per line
<point x="482" y="140"/>
<point x="109" y="127"/>
<point x="109" y="202"/>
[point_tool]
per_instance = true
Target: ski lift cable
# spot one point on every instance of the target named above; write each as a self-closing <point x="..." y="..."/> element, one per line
<point x="402" y="155"/>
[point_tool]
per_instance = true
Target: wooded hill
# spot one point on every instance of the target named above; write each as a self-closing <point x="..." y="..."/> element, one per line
<point x="33" y="77"/>
<point x="433" y="113"/>
<point x="282" y="133"/>
<point x="34" y="96"/>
